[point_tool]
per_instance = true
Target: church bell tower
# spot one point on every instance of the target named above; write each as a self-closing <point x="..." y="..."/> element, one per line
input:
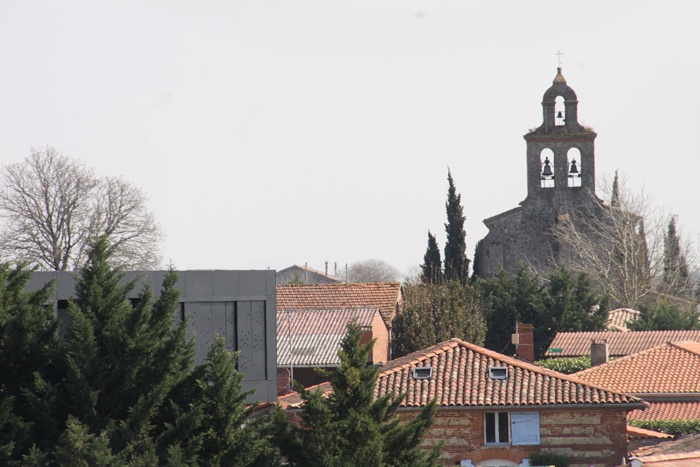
<point x="560" y="153"/>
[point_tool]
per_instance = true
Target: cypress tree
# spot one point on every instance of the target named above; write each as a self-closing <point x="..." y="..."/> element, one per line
<point x="432" y="262"/>
<point x="676" y="280"/>
<point x="456" y="262"/>
<point x="615" y="195"/>
<point x="350" y="427"/>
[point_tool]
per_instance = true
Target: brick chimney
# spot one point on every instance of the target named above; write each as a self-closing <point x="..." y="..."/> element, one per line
<point x="599" y="352"/>
<point x="525" y="348"/>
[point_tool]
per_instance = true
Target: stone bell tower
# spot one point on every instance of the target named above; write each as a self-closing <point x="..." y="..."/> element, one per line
<point x="560" y="153"/>
<point x="560" y="181"/>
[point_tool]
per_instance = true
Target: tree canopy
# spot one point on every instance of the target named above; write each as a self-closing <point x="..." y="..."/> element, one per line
<point x="54" y="207"/>
<point x="564" y="302"/>
<point x="434" y="313"/>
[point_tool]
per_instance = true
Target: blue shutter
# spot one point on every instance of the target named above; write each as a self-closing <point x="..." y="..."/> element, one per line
<point x="525" y="428"/>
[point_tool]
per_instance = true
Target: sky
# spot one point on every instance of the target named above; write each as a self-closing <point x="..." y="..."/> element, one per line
<point x="272" y="133"/>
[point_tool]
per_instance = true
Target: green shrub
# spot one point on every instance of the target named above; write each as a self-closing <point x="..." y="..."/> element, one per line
<point x="566" y="365"/>
<point x="549" y="458"/>
<point x="672" y="427"/>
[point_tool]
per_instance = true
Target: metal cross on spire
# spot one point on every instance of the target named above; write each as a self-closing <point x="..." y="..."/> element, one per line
<point x="559" y="54"/>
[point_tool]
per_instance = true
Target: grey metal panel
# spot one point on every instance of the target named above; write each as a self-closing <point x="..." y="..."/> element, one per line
<point x="65" y="285"/>
<point x="245" y="339"/>
<point x="264" y="390"/>
<point x="198" y="283"/>
<point x="254" y="283"/>
<point x="226" y="284"/>
<point x="199" y="323"/>
<point x="218" y="320"/>
<point x="230" y="326"/>
<point x="258" y="340"/>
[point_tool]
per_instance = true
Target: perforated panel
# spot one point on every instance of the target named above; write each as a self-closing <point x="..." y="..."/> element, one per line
<point x="218" y="319"/>
<point x="245" y="339"/>
<point x="258" y="339"/>
<point x="231" y="326"/>
<point x="199" y="316"/>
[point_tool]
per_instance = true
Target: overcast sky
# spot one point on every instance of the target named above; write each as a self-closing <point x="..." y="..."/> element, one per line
<point x="272" y="133"/>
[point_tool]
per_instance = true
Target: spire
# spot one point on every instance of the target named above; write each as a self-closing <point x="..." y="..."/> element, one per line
<point x="559" y="78"/>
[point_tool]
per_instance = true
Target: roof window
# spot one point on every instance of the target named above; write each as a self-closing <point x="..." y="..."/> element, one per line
<point x="422" y="372"/>
<point x="498" y="372"/>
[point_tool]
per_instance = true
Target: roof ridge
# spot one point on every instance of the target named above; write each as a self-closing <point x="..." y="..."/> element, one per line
<point x="624" y="358"/>
<point x="682" y="345"/>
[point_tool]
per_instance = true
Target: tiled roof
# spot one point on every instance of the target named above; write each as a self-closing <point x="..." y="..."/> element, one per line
<point x="667" y="368"/>
<point x="386" y="296"/>
<point x="667" y="410"/>
<point x="577" y="344"/>
<point x="634" y="432"/>
<point x="312" y="337"/>
<point x="680" y="452"/>
<point x="304" y="275"/>
<point x="460" y="378"/>
<point x="618" y="319"/>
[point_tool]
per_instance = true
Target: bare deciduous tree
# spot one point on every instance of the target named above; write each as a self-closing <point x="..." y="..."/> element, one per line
<point x="622" y="251"/>
<point x="372" y="270"/>
<point x="53" y="207"/>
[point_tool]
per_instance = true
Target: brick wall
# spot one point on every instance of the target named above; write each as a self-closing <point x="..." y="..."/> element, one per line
<point x="380" y="353"/>
<point x="595" y="437"/>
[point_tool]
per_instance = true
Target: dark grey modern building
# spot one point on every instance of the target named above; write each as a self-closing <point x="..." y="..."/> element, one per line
<point x="237" y="305"/>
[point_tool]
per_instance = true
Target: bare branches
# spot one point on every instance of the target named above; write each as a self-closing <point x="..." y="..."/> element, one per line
<point x="53" y="206"/>
<point x="622" y="250"/>
<point x="372" y="270"/>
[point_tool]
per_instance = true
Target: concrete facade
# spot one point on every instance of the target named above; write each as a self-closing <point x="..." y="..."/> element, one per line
<point x="560" y="160"/>
<point x="236" y="305"/>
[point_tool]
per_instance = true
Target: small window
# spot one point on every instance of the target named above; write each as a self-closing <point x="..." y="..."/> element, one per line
<point x="496" y="428"/>
<point x="498" y="372"/>
<point x="422" y="372"/>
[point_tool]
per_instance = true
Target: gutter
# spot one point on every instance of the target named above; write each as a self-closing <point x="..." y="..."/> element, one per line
<point x="616" y="405"/>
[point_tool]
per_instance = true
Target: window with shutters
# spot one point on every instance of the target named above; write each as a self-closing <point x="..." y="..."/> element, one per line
<point x="516" y="428"/>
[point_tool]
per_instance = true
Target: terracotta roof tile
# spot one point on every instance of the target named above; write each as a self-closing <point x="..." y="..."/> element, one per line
<point x="618" y="319"/>
<point x="460" y="377"/>
<point x="576" y="344"/>
<point x="667" y="368"/>
<point x="634" y="432"/>
<point x="386" y="296"/>
<point x="667" y="410"/>
<point x="313" y="337"/>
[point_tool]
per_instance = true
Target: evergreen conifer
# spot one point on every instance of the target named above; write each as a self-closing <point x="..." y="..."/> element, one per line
<point x="432" y="262"/>
<point x="350" y="427"/>
<point x="456" y="262"/>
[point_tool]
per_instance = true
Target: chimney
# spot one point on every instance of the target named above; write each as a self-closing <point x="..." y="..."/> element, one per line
<point x="599" y="352"/>
<point x="524" y="342"/>
<point x="326" y="267"/>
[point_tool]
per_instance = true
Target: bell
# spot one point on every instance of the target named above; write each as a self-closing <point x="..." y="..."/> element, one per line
<point x="547" y="170"/>
<point x="559" y="114"/>
<point x="573" y="169"/>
